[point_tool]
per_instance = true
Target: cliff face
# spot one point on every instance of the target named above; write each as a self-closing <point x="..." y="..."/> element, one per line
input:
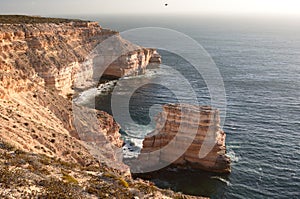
<point x="38" y="66"/>
<point x="40" y="148"/>
<point x="50" y="51"/>
<point x="61" y="52"/>
<point x="174" y="126"/>
<point x="38" y="61"/>
<point x="134" y="59"/>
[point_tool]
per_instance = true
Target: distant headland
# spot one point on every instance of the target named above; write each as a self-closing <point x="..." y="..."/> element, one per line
<point x="17" y="19"/>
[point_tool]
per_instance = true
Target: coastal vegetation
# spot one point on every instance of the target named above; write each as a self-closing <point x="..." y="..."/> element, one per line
<point x="19" y="19"/>
<point x="30" y="175"/>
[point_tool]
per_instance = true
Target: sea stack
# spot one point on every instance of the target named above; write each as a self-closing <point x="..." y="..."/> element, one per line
<point x="194" y="128"/>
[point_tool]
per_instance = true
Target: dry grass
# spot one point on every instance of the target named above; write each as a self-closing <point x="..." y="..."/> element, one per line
<point x="29" y="175"/>
<point x="16" y="19"/>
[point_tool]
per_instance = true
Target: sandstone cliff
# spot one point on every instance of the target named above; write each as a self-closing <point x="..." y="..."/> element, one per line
<point x="41" y="60"/>
<point x="41" y="151"/>
<point x="176" y="127"/>
<point x="123" y="58"/>
<point x="37" y="63"/>
<point x="61" y="52"/>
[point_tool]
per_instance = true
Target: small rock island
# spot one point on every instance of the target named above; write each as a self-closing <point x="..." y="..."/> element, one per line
<point x="174" y="126"/>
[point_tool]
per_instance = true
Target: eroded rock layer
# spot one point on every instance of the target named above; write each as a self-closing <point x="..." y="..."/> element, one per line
<point x="61" y="52"/>
<point x="41" y="152"/>
<point x="38" y="64"/>
<point x="189" y="136"/>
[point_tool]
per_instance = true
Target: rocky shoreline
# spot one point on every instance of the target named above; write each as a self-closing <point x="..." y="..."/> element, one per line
<point x="43" y="140"/>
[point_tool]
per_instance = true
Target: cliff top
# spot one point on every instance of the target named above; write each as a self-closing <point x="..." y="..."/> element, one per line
<point x="17" y="19"/>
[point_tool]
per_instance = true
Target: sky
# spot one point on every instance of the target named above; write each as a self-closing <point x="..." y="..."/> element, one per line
<point x="214" y="7"/>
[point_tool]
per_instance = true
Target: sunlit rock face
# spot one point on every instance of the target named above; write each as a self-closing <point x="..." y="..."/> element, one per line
<point x="62" y="54"/>
<point x="192" y="135"/>
<point x="39" y="65"/>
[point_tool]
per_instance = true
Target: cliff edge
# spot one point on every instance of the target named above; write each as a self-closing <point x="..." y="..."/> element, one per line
<point x="56" y="50"/>
<point x="41" y="154"/>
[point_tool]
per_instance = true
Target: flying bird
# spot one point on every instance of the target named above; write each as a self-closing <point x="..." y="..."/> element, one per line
<point x="166" y="4"/>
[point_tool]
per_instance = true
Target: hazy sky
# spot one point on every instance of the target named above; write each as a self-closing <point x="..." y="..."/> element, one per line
<point x="56" y="7"/>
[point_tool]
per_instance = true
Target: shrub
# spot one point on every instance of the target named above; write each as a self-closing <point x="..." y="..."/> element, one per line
<point x="69" y="179"/>
<point x="11" y="178"/>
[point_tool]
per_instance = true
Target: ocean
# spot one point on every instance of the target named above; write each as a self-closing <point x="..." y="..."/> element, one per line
<point x="259" y="61"/>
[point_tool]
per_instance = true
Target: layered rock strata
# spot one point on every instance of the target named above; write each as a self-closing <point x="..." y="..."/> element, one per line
<point x="39" y="60"/>
<point x="188" y="136"/>
<point x="39" y="63"/>
<point x="40" y="148"/>
<point x="61" y="52"/>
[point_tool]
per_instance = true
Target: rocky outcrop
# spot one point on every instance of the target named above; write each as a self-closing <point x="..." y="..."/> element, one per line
<point x="41" y="152"/>
<point x="155" y="60"/>
<point x="38" y="63"/>
<point x="61" y="52"/>
<point x="119" y="57"/>
<point x="110" y="128"/>
<point x="135" y="63"/>
<point x="50" y="51"/>
<point x="41" y="121"/>
<point x="194" y="128"/>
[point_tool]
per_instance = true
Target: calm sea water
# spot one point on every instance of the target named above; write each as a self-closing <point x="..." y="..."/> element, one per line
<point x="259" y="60"/>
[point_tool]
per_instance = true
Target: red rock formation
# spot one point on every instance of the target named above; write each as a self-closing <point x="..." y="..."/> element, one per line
<point x="61" y="52"/>
<point x="110" y="128"/>
<point x="121" y="58"/>
<point x="134" y="63"/>
<point x="189" y="127"/>
<point x="37" y="63"/>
